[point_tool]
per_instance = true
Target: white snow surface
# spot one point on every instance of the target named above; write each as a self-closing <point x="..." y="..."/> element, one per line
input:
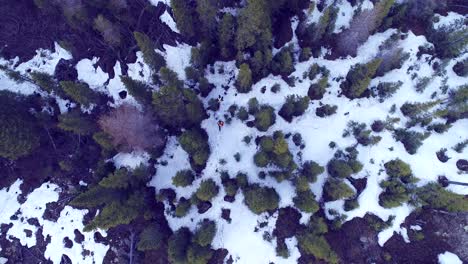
<point x="449" y="258"/>
<point x="131" y="160"/>
<point x="69" y="220"/>
<point x="167" y="19"/>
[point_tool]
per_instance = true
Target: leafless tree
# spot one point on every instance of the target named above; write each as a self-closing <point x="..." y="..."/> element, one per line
<point x="131" y="129"/>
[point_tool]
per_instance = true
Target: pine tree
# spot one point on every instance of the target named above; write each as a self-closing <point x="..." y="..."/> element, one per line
<point x="293" y="107"/>
<point x="186" y="17"/>
<point x="138" y="89"/>
<point x="46" y="82"/>
<point x="359" y="78"/>
<point x="19" y="134"/>
<point x="150" y="56"/>
<point x="261" y="199"/>
<point x="207" y="10"/>
<point x="317" y="246"/>
<point x="227" y="34"/>
<point x="197" y="254"/>
<point x="151" y="238"/>
<point x="207" y="190"/>
<point x="205" y="233"/>
<point x="183" y="178"/>
<point x="283" y="63"/>
<point x="178" y="245"/>
<point x="76" y="122"/>
<point x="117" y="180"/>
<point x="336" y="189"/>
<point x="265" y="118"/>
<point x="80" y="93"/>
<point x="306" y="202"/>
<point x="244" y="79"/>
<point x="254" y="26"/>
<point x="195" y="143"/>
<point x="317" y="90"/>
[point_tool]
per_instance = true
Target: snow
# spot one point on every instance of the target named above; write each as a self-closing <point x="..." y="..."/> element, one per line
<point x="155" y="2"/>
<point x="449" y="258"/>
<point x="131" y="160"/>
<point x="33" y="208"/>
<point x="167" y="19"/>
<point x="447" y="20"/>
<point x="91" y="74"/>
<point x="345" y="15"/>
<point x="416" y="227"/>
<point x="178" y="58"/>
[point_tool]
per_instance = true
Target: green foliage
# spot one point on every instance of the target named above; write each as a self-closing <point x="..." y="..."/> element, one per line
<point x="434" y="196"/>
<point x="244" y="79"/>
<point x="302" y="183"/>
<point x="306" y="202"/>
<point x="398" y="169"/>
<point x="19" y="133"/>
<point x="183" y="178"/>
<point x="178" y="107"/>
<point x="311" y="170"/>
<point x="350" y="205"/>
<point x="77" y="122"/>
<point x="94" y="197"/>
<point x="80" y="93"/>
<point x="359" y="78"/>
<point x="318" y="89"/>
<point x="182" y="208"/>
<point x="109" y="31"/>
<point x="138" y="89"/>
<point x="104" y="140"/>
<point x="317" y="246"/>
<point x="230" y="187"/>
<point x="385" y="90"/>
<point x="207" y="10"/>
<point x="207" y="190"/>
<point x="274" y="150"/>
<point x="317" y="225"/>
<point x="326" y="110"/>
<point x="395" y="193"/>
<point x="265" y="117"/>
<point x="261" y="159"/>
<point x="195" y="143"/>
<point x="283" y="63"/>
<point x="305" y="54"/>
<point x="186" y="17"/>
<point x="254" y="28"/>
<point x="205" y="233"/>
<point x="202" y="55"/>
<point x="242" y="180"/>
<point x="253" y="106"/>
<point x="261" y="199"/>
<point x="46" y="82"/>
<point x="413" y="110"/>
<point x="227" y="34"/>
<point x="336" y="189"/>
<point x="411" y="140"/>
<point x="197" y="254"/>
<point x="339" y="168"/>
<point x="178" y="245"/>
<point x="116" y="180"/>
<point x="151" y="238"/>
<point x="293" y="107"/>
<point x="169" y="77"/>
<point x="450" y="41"/>
<point x="282" y="249"/>
<point x="242" y="114"/>
<point x="153" y="59"/>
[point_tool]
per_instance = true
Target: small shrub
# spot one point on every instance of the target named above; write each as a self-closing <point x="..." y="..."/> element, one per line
<point x="182" y="208"/>
<point x="205" y="233"/>
<point x="306" y="202"/>
<point x="261" y="199"/>
<point x="326" y="110"/>
<point x="207" y="190"/>
<point x="183" y="178"/>
<point x="336" y="189"/>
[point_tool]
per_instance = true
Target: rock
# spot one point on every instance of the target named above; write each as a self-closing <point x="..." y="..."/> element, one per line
<point x="226" y="215"/>
<point x="462" y="164"/>
<point x="28" y="232"/>
<point x="65" y="71"/>
<point x="65" y="259"/>
<point x="203" y="207"/>
<point x="229" y="199"/>
<point x="123" y="94"/>
<point x="67" y="242"/>
<point x="79" y="237"/>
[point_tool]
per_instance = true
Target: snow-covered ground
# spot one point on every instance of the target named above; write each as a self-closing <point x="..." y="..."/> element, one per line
<point x="238" y="237"/>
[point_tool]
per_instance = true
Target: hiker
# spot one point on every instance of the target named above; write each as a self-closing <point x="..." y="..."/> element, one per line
<point x="220" y="124"/>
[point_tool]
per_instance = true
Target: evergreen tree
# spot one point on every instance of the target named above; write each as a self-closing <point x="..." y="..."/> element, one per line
<point x="336" y="189"/>
<point x="244" y="79"/>
<point x="260" y="199"/>
<point x="150" y="56"/>
<point x="207" y="10"/>
<point x="80" y="93"/>
<point x="227" y="34"/>
<point x="195" y="143"/>
<point x="138" y="89"/>
<point x="317" y="246"/>
<point x="358" y="78"/>
<point x="205" y="233"/>
<point x="395" y="193"/>
<point x="434" y="196"/>
<point x="293" y="107"/>
<point x="317" y="90"/>
<point x="207" y="190"/>
<point x="311" y="170"/>
<point x="46" y="82"/>
<point x="76" y="122"/>
<point x="183" y="178"/>
<point x="254" y="28"/>
<point x="178" y="107"/>
<point x="305" y="201"/>
<point x="283" y="63"/>
<point x="197" y="254"/>
<point x="265" y="117"/>
<point x="339" y="168"/>
<point x="116" y="180"/>
<point x="186" y="18"/>
<point x="151" y="238"/>
<point x="178" y="245"/>
<point x="19" y="133"/>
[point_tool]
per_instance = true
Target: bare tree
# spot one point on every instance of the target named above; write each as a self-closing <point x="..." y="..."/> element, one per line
<point x="131" y="129"/>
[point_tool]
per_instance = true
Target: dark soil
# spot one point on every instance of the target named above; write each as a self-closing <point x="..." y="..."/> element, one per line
<point x="24" y="28"/>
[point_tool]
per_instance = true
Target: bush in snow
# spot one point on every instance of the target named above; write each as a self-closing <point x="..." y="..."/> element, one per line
<point x="80" y="93"/>
<point x="326" y="110"/>
<point x="350" y="205"/>
<point x="305" y="54"/>
<point x="153" y="59"/>
<point x="151" y="238"/>
<point x="205" y="233"/>
<point x="461" y="68"/>
<point x="293" y="107"/>
<point x="283" y="63"/>
<point x="336" y="189"/>
<point x="305" y="201"/>
<point x="260" y="199"/>
<point x="411" y="140"/>
<point x="339" y="168"/>
<point x="183" y="178"/>
<point x="195" y="143"/>
<point x="274" y="150"/>
<point x="182" y="207"/>
<point x="19" y="133"/>
<point x="265" y="117"/>
<point x="434" y="196"/>
<point x="178" y="244"/>
<point x="398" y="168"/>
<point x="310" y="170"/>
<point x="131" y="129"/>
<point x="207" y="190"/>
<point x="244" y="79"/>
<point x="317" y="90"/>
<point x="242" y="114"/>
<point x="317" y="246"/>
<point x="397" y="189"/>
<point x="197" y="254"/>
<point x="358" y="78"/>
<point x="385" y="90"/>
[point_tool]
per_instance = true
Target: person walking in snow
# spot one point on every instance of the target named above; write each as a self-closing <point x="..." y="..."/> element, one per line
<point x="220" y="124"/>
